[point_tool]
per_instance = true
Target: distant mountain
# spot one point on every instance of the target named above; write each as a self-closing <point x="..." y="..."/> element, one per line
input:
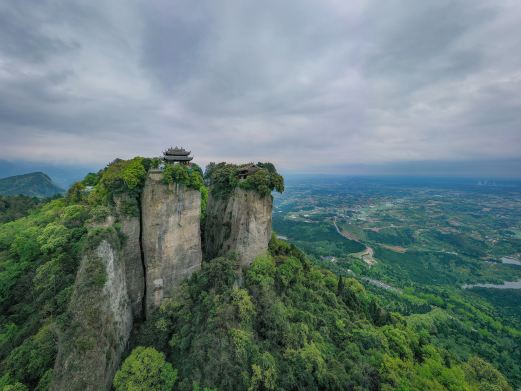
<point x="35" y="184"/>
<point x="63" y="175"/>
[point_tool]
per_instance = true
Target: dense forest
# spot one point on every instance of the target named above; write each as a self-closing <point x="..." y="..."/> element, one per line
<point x="14" y="207"/>
<point x="286" y="324"/>
<point x="282" y="324"/>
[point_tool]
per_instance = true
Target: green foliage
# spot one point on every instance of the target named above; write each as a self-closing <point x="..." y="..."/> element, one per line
<point x="204" y="201"/>
<point x="176" y="173"/>
<point x="75" y="193"/>
<point x="317" y="238"/>
<point x="189" y="176"/>
<point x="53" y="238"/>
<point x="145" y="370"/>
<point x="28" y="362"/>
<point x="39" y="256"/>
<point x="284" y="324"/>
<point x="91" y="179"/>
<point x="99" y="213"/>
<point x="121" y="177"/>
<point x="484" y="376"/>
<point x="223" y="178"/>
<point x="15" y="207"/>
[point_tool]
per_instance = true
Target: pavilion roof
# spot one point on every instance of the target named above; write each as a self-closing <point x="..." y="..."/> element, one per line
<point x="177" y="158"/>
<point x="177" y="151"/>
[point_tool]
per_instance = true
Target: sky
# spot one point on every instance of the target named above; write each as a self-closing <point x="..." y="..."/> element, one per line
<point x="359" y="86"/>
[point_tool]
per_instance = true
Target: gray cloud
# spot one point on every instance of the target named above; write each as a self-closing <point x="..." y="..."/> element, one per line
<point x="300" y="83"/>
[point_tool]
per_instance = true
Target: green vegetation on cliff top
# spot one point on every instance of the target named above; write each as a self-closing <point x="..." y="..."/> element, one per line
<point x="223" y="178"/>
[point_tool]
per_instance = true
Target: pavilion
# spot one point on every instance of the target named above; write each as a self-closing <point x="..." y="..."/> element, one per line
<point x="179" y="155"/>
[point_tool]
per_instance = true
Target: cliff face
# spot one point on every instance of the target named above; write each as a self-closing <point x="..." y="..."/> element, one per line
<point x="100" y="318"/>
<point x="160" y="246"/>
<point x="131" y="252"/>
<point x="171" y="236"/>
<point x="240" y="223"/>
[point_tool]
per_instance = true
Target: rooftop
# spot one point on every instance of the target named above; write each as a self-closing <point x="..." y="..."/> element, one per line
<point x="177" y="151"/>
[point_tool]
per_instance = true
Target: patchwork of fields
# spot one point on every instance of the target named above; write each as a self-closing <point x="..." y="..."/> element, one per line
<point x="418" y="244"/>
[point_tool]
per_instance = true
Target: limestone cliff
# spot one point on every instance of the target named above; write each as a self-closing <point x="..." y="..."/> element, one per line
<point x="171" y="236"/>
<point x="239" y="223"/>
<point x="127" y="209"/>
<point x="99" y="322"/>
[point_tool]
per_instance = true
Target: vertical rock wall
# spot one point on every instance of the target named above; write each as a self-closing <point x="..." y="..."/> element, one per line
<point x="131" y="251"/>
<point x="171" y="236"/>
<point x="240" y="223"/>
<point x="161" y="247"/>
<point x="100" y="319"/>
<point x="131" y="255"/>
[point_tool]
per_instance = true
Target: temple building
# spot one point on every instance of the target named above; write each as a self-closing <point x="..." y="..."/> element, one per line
<point x="246" y="170"/>
<point x="180" y="155"/>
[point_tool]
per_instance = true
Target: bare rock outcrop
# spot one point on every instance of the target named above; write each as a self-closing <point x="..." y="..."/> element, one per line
<point x="239" y="223"/>
<point x="100" y="322"/>
<point x="171" y="236"/>
<point x="127" y="209"/>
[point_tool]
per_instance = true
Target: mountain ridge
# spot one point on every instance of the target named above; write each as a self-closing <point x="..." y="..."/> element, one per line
<point x="33" y="184"/>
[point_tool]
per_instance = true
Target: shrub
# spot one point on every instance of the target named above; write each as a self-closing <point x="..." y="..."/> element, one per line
<point x="145" y="370"/>
<point x="223" y="179"/>
<point x="189" y="176"/>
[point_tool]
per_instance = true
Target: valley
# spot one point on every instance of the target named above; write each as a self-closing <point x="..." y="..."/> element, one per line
<point x="422" y="245"/>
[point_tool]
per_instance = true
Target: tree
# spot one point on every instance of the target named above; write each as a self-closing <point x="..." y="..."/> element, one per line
<point x="145" y="370"/>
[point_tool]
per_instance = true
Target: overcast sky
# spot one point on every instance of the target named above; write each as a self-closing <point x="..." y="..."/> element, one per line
<point x="309" y="85"/>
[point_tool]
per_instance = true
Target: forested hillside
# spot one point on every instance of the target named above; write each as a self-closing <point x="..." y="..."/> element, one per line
<point x="14" y="207"/>
<point x="288" y="325"/>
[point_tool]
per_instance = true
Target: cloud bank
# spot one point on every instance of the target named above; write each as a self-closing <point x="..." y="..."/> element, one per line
<point x="305" y="84"/>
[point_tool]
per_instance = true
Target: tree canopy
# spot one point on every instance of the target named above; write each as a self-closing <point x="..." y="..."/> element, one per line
<point x="145" y="370"/>
<point x="223" y="178"/>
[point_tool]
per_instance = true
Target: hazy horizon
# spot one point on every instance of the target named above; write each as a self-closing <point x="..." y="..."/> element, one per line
<point x="65" y="175"/>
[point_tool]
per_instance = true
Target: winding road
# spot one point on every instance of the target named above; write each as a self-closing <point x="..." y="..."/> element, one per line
<point x="366" y="255"/>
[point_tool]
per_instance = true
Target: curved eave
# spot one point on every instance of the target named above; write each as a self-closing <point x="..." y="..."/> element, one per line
<point x="178" y="158"/>
<point x="177" y="153"/>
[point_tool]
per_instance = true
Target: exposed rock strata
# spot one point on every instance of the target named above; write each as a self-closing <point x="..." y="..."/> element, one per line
<point x="131" y="252"/>
<point x="171" y="237"/>
<point x="100" y="318"/>
<point x="240" y="223"/>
